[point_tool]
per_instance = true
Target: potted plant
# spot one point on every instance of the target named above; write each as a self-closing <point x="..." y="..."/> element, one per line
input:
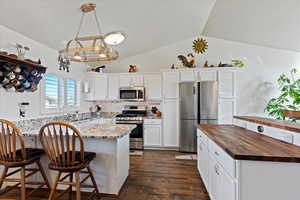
<point x="287" y="104"/>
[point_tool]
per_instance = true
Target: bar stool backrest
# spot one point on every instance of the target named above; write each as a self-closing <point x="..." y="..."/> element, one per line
<point x="12" y="148"/>
<point x="61" y="141"/>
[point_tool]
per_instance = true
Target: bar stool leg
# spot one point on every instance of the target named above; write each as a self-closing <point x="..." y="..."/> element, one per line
<point x="40" y="167"/>
<point x="70" y="187"/>
<point x="93" y="180"/>
<point x="3" y="176"/>
<point x="23" y="186"/>
<point x="53" y="189"/>
<point x="77" y="179"/>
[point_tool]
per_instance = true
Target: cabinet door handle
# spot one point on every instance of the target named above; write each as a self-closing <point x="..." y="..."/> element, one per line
<point x="217" y="169"/>
<point x="217" y="154"/>
<point x="200" y="147"/>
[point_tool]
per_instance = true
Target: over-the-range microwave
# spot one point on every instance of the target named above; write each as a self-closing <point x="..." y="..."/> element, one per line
<point x="132" y="93"/>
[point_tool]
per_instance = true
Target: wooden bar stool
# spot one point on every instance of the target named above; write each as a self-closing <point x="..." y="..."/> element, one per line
<point x="65" y="149"/>
<point x="13" y="154"/>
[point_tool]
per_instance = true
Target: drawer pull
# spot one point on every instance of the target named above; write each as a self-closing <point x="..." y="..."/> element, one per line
<point x="260" y="129"/>
<point x="217" y="154"/>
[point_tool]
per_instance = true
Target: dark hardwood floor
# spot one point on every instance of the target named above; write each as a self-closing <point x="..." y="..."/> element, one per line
<point x="156" y="175"/>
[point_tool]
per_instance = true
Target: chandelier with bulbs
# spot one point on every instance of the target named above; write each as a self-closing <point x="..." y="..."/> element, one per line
<point x="95" y="48"/>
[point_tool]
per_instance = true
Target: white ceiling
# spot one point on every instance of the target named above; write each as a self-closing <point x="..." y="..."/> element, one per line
<point x="149" y="24"/>
<point x="272" y="23"/>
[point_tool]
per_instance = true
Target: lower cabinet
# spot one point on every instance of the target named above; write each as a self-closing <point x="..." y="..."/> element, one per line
<point x="152" y="135"/>
<point x="222" y="186"/>
<point x="219" y="184"/>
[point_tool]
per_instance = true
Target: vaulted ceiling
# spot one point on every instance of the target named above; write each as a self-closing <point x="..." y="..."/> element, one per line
<point x="148" y="24"/>
<point x="154" y="23"/>
<point x="272" y="23"/>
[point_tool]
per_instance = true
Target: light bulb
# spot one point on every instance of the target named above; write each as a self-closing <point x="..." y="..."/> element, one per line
<point x="77" y="56"/>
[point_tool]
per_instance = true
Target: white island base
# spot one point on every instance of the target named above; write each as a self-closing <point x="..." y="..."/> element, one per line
<point x="110" y="166"/>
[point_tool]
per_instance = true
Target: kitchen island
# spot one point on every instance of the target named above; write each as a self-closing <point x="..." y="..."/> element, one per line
<point x="240" y="164"/>
<point x="111" y="144"/>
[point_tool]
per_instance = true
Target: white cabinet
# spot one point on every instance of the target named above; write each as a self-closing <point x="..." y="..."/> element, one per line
<point x="226" y="110"/>
<point x="226" y="185"/>
<point x="207" y="76"/>
<point x="226" y="84"/>
<point x="170" y="123"/>
<point x="131" y="80"/>
<point x="188" y="76"/>
<point x="153" y="86"/>
<point x="152" y="136"/>
<point x="203" y="161"/>
<point x="170" y="85"/>
<point x="113" y="87"/>
<point x="98" y="87"/>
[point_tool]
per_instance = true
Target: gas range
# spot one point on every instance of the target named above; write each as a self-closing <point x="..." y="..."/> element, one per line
<point x="134" y="115"/>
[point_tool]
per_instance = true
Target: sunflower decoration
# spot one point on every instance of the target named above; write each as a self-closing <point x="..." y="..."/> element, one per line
<point x="200" y="45"/>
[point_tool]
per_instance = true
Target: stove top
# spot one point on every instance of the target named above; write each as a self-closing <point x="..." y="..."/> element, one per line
<point x="132" y="113"/>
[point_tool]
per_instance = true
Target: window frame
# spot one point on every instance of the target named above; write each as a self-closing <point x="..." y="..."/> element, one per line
<point x="62" y="96"/>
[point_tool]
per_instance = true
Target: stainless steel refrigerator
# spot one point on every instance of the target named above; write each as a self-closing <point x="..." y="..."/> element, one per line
<point x="198" y="105"/>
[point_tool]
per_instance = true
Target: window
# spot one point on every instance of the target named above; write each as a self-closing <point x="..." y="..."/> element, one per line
<point x="51" y="92"/>
<point x="60" y="94"/>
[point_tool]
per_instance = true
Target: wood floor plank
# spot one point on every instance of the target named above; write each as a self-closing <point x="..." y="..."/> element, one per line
<point x="156" y="175"/>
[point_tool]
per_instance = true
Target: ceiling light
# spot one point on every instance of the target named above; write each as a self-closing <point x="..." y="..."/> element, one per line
<point x="92" y="48"/>
<point x="114" y="38"/>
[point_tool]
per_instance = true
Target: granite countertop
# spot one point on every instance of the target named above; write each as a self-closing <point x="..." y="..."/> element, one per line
<point x="285" y="125"/>
<point x="243" y="144"/>
<point x="99" y="131"/>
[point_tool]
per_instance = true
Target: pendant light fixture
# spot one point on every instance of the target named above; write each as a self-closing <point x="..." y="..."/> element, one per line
<point x="95" y="48"/>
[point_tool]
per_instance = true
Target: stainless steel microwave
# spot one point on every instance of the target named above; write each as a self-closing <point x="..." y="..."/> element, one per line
<point x="132" y="93"/>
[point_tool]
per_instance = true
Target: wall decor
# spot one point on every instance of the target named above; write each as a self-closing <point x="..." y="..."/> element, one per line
<point x="17" y="75"/>
<point x="64" y="64"/>
<point x="132" y="68"/>
<point x="98" y="68"/>
<point x="21" y="50"/>
<point x="184" y="62"/>
<point x="200" y="45"/>
<point x="238" y="63"/>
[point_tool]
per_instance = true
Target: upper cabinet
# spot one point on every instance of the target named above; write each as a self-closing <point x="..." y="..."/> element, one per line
<point x="153" y="86"/>
<point x="170" y="85"/>
<point x="113" y="87"/>
<point x="207" y="76"/>
<point x="131" y="80"/>
<point x="98" y="87"/>
<point x="188" y="76"/>
<point x="227" y="84"/>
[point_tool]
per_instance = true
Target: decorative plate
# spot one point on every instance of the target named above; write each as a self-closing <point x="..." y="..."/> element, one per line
<point x="200" y="45"/>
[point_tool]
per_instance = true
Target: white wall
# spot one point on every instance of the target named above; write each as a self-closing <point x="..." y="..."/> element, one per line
<point x="9" y="101"/>
<point x="256" y="83"/>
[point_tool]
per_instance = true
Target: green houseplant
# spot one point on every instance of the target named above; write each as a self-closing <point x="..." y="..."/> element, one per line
<point x="289" y="99"/>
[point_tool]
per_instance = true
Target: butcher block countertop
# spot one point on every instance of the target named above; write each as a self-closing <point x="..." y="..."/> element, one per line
<point x="243" y="144"/>
<point x="285" y="125"/>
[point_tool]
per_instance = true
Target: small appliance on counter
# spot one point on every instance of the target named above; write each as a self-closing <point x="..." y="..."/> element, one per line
<point x="96" y="109"/>
<point x="134" y="115"/>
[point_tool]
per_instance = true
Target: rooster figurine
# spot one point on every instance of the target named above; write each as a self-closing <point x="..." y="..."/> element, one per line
<point x="188" y="61"/>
